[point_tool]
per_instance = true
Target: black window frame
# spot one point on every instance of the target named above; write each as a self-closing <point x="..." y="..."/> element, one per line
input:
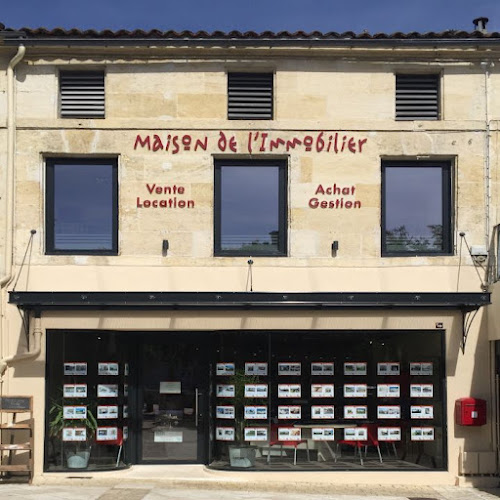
<point x="50" y="163"/>
<point x="282" y="207"/>
<point x="447" y="212"/>
<point x="250" y="114"/>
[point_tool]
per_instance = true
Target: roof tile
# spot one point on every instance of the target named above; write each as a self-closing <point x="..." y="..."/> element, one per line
<point x="41" y="32"/>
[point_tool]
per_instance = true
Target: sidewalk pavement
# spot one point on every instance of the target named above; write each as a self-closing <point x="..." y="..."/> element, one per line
<point x="197" y="482"/>
<point x="136" y="491"/>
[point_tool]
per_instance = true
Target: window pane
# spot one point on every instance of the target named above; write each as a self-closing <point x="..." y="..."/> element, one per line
<point x="414" y="209"/>
<point x="83" y="207"/>
<point x="250" y="209"/>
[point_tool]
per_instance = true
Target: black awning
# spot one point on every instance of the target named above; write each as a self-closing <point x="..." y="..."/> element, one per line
<point x="464" y="301"/>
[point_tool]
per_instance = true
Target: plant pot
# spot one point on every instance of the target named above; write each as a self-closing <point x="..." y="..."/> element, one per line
<point x="78" y="459"/>
<point x="242" y="456"/>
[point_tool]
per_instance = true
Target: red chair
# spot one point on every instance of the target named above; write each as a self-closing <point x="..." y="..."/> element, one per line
<point x="372" y="440"/>
<point x="118" y="442"/>
<point x="273" y="440"/>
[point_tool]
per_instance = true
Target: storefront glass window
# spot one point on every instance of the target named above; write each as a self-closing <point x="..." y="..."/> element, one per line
<point x="246" y="400"/>
<point x="329" y="401"/>
<point x="87" y="420"/>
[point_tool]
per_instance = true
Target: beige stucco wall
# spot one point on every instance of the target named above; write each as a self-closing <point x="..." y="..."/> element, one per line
<point x="190" y="232"/>
<point x="179" y="97"/>
<point x="312" y="96"/>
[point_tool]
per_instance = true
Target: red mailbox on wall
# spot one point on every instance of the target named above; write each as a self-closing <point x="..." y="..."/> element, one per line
<point x="470" y="411"/>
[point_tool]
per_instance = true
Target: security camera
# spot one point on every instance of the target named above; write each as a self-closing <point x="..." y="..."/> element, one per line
<point x="478" y="253"/>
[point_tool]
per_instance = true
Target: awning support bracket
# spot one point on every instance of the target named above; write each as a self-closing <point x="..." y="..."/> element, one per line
<point x="468" y="316"/>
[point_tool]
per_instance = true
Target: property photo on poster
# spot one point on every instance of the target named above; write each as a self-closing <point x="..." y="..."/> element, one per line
<point x="422" y="433"/>
<point x="390" y="411"/>
<point x="322" y="391"/>
<point x="256" y="390"/>
<point x="323" y="434"/>
<point x="224" y="411"/>
<point x="388" y="390"/>
<point x="322" y="368"/>
<point x="389" y="433"/>
<point x="255" y="433"/>
<point x="75" y="390"/>
<point x="322" y="412"/>
<point x="421" y="390"/>
<point x="355" y="368"/>
<point x="388" y="368"/>
<point x="107" y="411"/>
<point x="355" y="390"/>
<point x="289" y="434"/>
<point x="355" y="411"/>
<point x="259" y="369"/>
<point x="289" y="369"/>
<point x="106" y="434"/>
<point x="224" y="433"/>
<point x="107" y="390"/>
<point x="289" y="412"/>
<point x="225" y="390"/>
<point x="74" y="412"/>
<point x="107" y="368"/>
<point x="75" y="369"/>
<point x="289" y="390"/>
<point x="355" y="434"/>
<point x="225" y="369"/>
<point x="255" y="412"/>
<point x="422" y="411"/>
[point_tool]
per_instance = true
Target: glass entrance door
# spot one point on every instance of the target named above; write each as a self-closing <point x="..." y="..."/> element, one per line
<point x="174" y="399"/>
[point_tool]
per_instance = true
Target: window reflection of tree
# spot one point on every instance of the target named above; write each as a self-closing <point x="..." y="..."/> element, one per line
<point x="399" y="239"/>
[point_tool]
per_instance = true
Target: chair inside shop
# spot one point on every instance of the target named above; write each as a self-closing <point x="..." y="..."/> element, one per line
<point x="274" y="441"/>
<point x="117" y="442"/>
<point x="362" y="446"/>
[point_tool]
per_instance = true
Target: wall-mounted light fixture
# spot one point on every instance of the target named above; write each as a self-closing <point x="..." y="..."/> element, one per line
<point x="164" y="248"/>
<point x="335" y="248"/>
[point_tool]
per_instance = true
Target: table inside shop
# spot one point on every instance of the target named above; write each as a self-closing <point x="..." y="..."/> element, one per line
<point x="318" y="425"/>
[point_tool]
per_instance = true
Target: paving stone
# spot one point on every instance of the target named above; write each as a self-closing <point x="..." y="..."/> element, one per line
<point x="125" y="494"/>
<point x="149" y="491"/>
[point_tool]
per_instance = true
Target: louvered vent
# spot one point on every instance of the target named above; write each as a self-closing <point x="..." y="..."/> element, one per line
<point x="417" y="97"/>
<point x="82" y="94"/>
<point x="250" y="96"/>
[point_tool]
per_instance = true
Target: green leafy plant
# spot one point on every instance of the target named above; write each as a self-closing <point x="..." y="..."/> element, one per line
<point x="57" y="421"/>
<point x="239" y="380"/>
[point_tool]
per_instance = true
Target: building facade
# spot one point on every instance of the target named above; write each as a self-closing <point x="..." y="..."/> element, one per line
<point x="253" y="251"/>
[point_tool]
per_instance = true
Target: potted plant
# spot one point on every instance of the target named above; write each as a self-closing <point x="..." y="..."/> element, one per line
<point x="241" y="454"/>
<point x="78" y="451"/>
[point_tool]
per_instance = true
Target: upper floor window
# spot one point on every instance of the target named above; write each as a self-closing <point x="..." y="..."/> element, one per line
<point x="250" y="96"/>
<point x="82" y="206"/>
<point x="250" y="208"/>
<point x="417" y="97"/>
<point x="81" y="94"/>
<point x="416" y="208"/>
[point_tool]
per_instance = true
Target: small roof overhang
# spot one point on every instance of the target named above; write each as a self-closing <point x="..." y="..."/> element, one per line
<point x="39" y="301"/>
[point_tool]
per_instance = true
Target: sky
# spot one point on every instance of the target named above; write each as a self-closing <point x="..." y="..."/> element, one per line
<point x="374" y="16"/>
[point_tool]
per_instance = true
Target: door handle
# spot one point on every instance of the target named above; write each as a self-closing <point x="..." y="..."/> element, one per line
<point x="197" y="394"/>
